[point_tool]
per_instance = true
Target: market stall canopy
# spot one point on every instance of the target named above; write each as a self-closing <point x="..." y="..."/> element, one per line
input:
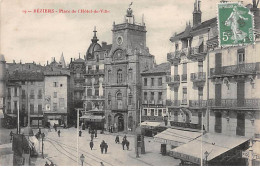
<point x="213" y="144"/>
<point x="176" y="137"/>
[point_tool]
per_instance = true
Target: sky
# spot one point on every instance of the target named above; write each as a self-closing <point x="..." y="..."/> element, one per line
<point x="38" y="37"/>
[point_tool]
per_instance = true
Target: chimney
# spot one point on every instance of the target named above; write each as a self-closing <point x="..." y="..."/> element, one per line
<point x="70" y="60"/>
<point x="104" y="44"/>
<point x="47" y="62"/>
<point x="197" y="13"/>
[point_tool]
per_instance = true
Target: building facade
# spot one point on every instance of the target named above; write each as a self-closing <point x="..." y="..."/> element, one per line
<point x="154" y="93"/>
<point x="57" y="96"/>
<point x="127" y="58"/>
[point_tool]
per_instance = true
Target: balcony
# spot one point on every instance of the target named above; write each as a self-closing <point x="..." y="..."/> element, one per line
<point x="39" y="96"/>
<point x="234" y="103"/>
<point x="93" y="97"/>
<point x="185" y="125"/>
<point x="198" y="52"/>
<point x="160" y="102"/>
<point x="173" y="80"/>
<point x="151" y="102"/>
<point x="184" y="78"/>
<point x="80" y="78"/>
<point x="173" y="103"/>
<point x="184" y="102"/>
<point x="78" y="88"/>
<point x="198" y="103"/>
<point x="173" y="57"/>
<point x="198" y="77"/>
<point x="240" y="69"/>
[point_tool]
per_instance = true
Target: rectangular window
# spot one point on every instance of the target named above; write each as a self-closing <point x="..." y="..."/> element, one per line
<point x="184" y="95"/>
<point x="152" y="112"/>
<point x="9" y="106"/>
<point x="130" y="100"/>
<point x="23" y="107"/>
<point x="62" y="103"/>
<point x="155" y="112"/>
<point x="55" y="84"/>
<point x="218" y="122"/>
<point x="15" y="105"/>
<point x="159" y="112"/>
<point x="97" y="68"/>
<point x="23" y="82"/>
<point x="152" y="81"/>
<point x="31" y="108"/>
<point x="184" y="72"/>
<point x="145" y="112"/>
<point x="160" y="81"/>
<point x="23" y="94"/>
<point x="55" y="95"/>
<point x="241" y="56"/>
<point x="32" y="94"/>
<point x="175" y="69"/>
<point x="152" y="95"/>
<point x="15" y="92"/>
<point x="39" y="108"/>
<point x="55" y="106"/>
<point x="96" y="92"/>
<point x="240" y="130"/>
<point x="200" y="92"/>
<point x="145" y="81"/>
<point x="159" y="96"/>
<point x="9" y="92"/>
<point x="89" y="92"/>
<point x="145" y="95"/>
<point x="39" y="94"/>
<point x="200" y="66"/>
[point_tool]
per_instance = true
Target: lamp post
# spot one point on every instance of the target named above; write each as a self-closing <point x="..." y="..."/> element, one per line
<point x="42" y="135"/>
<point x="82" y="158"/>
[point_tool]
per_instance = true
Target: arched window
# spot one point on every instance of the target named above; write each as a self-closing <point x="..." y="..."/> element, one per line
<point x="109" y="99"/>
<point x="119" y="76"/>
<point x="119" y="100"/>
<point x="108" y="75"/>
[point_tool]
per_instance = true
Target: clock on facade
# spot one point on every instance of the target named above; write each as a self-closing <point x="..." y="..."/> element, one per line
<point x="119" y="40"/>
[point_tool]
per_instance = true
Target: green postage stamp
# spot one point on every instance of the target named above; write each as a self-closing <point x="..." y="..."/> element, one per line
<point x="235" y="24"/>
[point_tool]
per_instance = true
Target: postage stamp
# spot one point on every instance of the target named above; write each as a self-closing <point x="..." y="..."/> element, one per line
<point x="235" y="24"/>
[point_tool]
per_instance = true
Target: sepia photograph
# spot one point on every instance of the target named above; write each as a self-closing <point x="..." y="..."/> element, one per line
<point x="129" y="83"/>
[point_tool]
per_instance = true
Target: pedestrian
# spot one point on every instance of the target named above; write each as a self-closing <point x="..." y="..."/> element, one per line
<point x="43" y="135"/>
<point x="46" y="164"/>
<point x="80" y="132"/>
<point x="106" y="147"/>
<point x="91" y="144"/>
<point x="117" y="139"/>
<point x="123" y="144"/>
<point x="124" y="137"/>
<point x="92" y="136"/>
<point x="127" y="144"/>
<point x="102" y="164"/>
<point x="59" y="133"/>
<point x="55" y="127"/>
<point x="89" y="130"/>
<point x="102" y="146"/>
<point x="40" y="132"/>
<point x="95" y="133"/>
<point x="11" y="136"/>
<point x="52" y="164"/>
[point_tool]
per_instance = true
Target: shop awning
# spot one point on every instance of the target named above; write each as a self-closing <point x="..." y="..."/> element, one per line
<point x="150" y="124"/>
<point x="213" y="144"/>
<point x="176" y="137"/>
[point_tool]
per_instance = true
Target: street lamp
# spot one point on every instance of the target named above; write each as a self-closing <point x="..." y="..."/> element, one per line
<point x="206" y="157"/>
<point x="82" y="158"/>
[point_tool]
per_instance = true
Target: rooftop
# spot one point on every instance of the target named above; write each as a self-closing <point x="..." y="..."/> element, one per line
<point x="161" y="68"/>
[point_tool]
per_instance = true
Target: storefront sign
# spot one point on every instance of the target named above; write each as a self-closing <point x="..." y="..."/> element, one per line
<point x="245" y="154"/>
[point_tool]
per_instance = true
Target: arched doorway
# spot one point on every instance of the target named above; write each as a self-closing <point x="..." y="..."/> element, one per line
<point x="119" y="122"/>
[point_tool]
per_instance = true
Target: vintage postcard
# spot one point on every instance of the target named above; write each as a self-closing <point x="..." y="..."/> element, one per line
<point x="129" y="83"/>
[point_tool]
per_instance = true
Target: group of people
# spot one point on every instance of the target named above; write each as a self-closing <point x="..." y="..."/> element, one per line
<point x="125" y="142"/>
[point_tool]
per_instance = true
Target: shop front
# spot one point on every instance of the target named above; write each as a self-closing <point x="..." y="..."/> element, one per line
<point x="151" y="128"/>
<point x="59" y="119"/>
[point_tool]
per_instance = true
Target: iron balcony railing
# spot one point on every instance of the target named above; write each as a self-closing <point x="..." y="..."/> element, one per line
<point x="31" y="96"/>
<point x="198" y="103"/>
<point x="197" y="50"/>
<point x="93" y="97"/>
<point x="232" y="103"/>
<point x="246" y="68"/>
<point x="78" y="88"/>
<point x="173" y="56"/>
<point x="185" y="125"/>
<point x="173" y="103"/>
<point x="173" y="79"/>
<point x="184" y="101"/>
<point x="199" y="76"/>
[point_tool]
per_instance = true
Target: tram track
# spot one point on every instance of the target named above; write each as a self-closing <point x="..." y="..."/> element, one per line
<point x="87" y="154"/>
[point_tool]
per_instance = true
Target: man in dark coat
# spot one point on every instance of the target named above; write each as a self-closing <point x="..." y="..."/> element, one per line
<point x="117" y="139"/>
<point x="123" y="144"/>
<point x="46" y="164"/>
<point x="11" y="136"/>
<point x="127" y="144"/>
<point x="91" y="144"/>
<point x="102" y="146"/>
<point x="106" y="147"/>
<point x="92" y="136"/>
<point x="59" y="133"/>
<point x="95" y="133"/>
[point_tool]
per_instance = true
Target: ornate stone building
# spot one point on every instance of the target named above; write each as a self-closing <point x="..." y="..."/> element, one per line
<point x="127" y="58"/>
